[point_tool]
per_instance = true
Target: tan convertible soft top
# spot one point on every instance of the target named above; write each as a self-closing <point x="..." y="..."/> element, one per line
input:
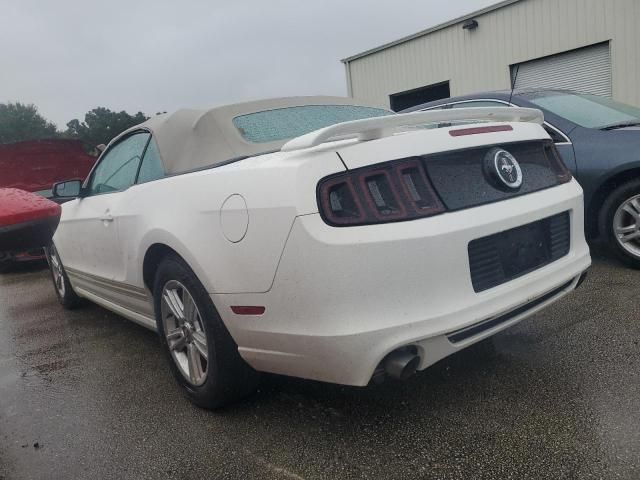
<point x="193" y="139"/>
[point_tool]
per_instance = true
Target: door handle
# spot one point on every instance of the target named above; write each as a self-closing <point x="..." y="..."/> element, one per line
<point x="107" y="218"/>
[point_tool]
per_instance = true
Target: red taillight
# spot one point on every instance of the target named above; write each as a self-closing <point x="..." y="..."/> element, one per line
<point x="339" y="197"/>
<point x="557" y="165"/>
<point x="382" y="198"/>
<point x="390" y="192"/>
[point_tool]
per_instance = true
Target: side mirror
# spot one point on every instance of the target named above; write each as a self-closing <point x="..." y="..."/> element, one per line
<point x="68" y="189"/>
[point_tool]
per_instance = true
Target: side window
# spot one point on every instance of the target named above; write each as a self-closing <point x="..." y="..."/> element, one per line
<point x="118" y="168"/>
<point x="478" y="104"/>
<point x="151" y="168"/>
<point x="555" y="136"/>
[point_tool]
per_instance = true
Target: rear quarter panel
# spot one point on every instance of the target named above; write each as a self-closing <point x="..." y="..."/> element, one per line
<point x="184" y="213"/>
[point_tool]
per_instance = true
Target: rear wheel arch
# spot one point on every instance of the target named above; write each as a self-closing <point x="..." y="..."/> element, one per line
<point x="153" y="257"/>
<point x="594" y="209"/>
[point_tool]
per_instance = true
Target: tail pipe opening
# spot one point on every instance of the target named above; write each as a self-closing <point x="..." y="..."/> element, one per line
<point x="399" y="364"/>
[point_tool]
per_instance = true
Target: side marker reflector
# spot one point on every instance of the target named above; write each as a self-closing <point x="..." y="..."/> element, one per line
<point x="247" y="310"/>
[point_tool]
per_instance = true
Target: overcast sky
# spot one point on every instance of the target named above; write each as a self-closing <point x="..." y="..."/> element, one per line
<point x="68" y="57"/>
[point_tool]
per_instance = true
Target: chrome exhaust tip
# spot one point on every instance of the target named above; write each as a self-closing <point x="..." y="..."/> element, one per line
<point x="401" y="364"/>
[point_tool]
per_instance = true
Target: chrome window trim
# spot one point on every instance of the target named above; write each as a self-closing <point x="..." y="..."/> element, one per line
<point x="504" y="102"/>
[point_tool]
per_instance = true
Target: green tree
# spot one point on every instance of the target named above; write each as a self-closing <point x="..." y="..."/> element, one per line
<point x="19" y="122"/>
<point x="101" y="125"/>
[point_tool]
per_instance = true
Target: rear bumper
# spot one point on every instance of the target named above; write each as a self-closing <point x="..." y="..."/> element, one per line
<point x="28" y="235"/>
<point x="18" y="257"/>
<point x="343" y="298"/>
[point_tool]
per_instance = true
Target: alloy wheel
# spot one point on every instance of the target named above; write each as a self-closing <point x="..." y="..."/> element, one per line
<point x="626" y="225"/>
<point x="184" y="330"/>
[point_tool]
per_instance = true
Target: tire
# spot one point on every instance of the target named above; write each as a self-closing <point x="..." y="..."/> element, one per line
<point x="61" y="284"/>
<point x="622" y="210"/>
<point x="188" y="321"/>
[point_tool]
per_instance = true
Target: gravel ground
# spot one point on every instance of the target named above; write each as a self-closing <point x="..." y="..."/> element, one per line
<point x="86" y="394"/>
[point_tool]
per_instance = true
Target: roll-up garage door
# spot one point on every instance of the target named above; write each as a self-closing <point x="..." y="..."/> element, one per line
<point x="586" y="70"/>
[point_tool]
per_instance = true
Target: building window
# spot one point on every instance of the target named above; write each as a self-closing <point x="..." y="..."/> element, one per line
<point x="418" y="96"/>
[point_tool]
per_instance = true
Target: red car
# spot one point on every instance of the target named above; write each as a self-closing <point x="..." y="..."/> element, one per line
<point x="35" y="166"/>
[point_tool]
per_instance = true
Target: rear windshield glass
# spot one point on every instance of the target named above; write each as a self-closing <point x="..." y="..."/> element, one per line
<point x="589" y="111"/>
<point x="284" y="123"/>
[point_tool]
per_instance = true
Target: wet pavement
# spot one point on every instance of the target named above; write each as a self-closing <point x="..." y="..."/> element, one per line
<point x="86" y="394"/>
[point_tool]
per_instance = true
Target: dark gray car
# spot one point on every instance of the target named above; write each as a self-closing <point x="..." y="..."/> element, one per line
<point x="599" y="141"/>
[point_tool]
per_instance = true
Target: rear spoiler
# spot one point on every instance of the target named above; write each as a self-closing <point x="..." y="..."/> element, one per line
<point x="378" y="127"/>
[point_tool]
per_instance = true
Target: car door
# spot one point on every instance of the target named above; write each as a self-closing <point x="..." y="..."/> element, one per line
<point x="89" y="242"/>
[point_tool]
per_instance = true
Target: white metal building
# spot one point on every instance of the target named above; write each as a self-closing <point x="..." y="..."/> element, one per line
<point x="586" y="45"/>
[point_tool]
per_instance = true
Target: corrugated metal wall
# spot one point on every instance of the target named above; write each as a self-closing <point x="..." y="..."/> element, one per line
<point x="586" y="69"/>
<point x="480" y="59"/>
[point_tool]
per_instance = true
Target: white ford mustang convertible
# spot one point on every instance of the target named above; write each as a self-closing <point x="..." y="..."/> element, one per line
<point x="321" y="238"/>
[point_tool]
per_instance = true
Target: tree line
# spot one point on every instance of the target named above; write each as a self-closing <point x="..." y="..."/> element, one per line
<point x="20" y="122"/>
